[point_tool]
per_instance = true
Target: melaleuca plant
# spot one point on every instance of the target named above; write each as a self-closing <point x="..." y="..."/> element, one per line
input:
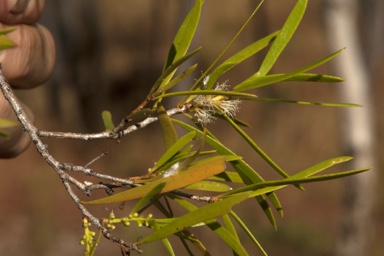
<point x="195" y="160"/>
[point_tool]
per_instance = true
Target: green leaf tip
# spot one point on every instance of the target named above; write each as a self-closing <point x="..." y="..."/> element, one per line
<point x="107" y="120"/>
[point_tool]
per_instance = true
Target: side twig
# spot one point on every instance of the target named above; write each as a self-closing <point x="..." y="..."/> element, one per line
<point x="57" y="166"/>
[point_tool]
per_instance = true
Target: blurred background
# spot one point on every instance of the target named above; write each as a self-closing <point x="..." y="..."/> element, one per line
<point x="111" y="52"/>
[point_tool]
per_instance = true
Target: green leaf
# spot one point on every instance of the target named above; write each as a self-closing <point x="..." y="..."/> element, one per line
<point x="184" y="36"/>
<point x="200" y="171"/>
<point x="203" y="76"/>
<point x="269" y="186"/>
<point x="226" y="235"/>
<point x="313" y="78"/>
<point x="165" y="241"/>
<point x="199" y="215"/>
<point x="174" y="149"/>
<point x="239" y="57"/>
<point x="156" y="190"/>
<point x="246" y="172"/>
<point x="324" y="104"/>
<point x="229" y="225"/>
<point x="161" y="81"/>
<point x="208" y="92"/>
<point x="167" y="128"/>
<point x="228" y="176"/>
<point x="258" y="150"/>
<point x="256" y="81"/>
<point x="206" y="185"/>
<point x="178" y="79"/>
<point x="301" y="177"/>
<point x="283" y="37"/>
<point x="229" y="238"/>
<point x="248" y="232"/>
<point x="107" y="120"/>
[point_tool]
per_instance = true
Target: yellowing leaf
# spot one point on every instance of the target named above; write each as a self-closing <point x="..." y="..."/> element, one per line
<point x="206" y="185"/>
<point x="200" y="171"/>
<point x="167" y="128"/>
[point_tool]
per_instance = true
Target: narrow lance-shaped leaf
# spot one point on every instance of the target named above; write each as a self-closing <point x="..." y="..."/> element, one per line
<point x="174" y="149"/>
<point x="270" y="186"/>
<point x="229" y="225"/>
<point x="199" y="215"/>
<point x="167" y="128"/>
<point x="200" y="171"/>
<point x="239" y="57"/>
<point x="170" y="70"/>
<point x="184" y="36"/>
<point x="231" y="228"/>
<point x="206" y="185"/>
<point x="256" y="81"/>
<point x="248" y="232"/>
<point x="165" y="241"/>
<point x="228" y="177"/>
<point x="229" y="238"/>
<point x="207" y="92"/>
<point x="178" y="79"/>
<point x="314" y="78"/>
<point x="301" y="177"/>
<point x="283" y="37"/>
<point x="249" y="175"/>
<point x="156" y="190"/>
<point x="324" y="104"/>
<point x="226" y="235"/>
<point x="258" y="150"/>
<point x="228" y="46"/>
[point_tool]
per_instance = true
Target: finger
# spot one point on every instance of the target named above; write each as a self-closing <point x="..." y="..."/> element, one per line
<point x="20" y="11"/>
<point x="18" y="140"/>
<point x="31" y="61"/>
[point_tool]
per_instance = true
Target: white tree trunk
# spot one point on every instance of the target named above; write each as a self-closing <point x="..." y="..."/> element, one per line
<point x="342" y="29"/>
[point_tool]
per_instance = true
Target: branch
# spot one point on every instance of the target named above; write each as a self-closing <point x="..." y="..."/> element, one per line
<point x="109" y="134"/>
<point x="62" y="168"/>
<point x="33" y="132"/>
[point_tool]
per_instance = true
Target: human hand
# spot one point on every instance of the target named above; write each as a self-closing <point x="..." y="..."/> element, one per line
<point x="27" y="65"/>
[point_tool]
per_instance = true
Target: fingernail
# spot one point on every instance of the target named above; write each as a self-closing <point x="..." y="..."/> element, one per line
<point x="20" y="6"/>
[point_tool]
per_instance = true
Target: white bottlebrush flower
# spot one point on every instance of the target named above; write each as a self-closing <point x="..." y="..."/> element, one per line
<point x="205" y="106"/>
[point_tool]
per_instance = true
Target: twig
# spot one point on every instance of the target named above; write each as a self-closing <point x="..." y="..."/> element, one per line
<point x="62" y="168"/>
<point x="56" y="165"/>
<point x="109" y="134"/>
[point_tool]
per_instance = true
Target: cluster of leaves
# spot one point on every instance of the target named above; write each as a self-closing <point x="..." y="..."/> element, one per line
<point x="183" y="169"/>
<point x="5" y="43"/>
